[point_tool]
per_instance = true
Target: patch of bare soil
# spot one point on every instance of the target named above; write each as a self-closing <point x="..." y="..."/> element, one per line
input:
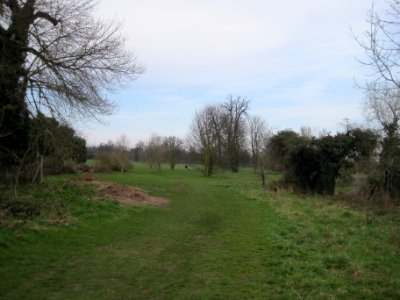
<point x="124" y="194"/>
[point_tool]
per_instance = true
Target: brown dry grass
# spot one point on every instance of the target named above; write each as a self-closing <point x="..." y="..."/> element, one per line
<point x="124" y="194"/>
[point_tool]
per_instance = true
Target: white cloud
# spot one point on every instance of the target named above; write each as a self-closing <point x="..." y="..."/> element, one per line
<point x="187" y="34"/>
<point x="295" y="59"/>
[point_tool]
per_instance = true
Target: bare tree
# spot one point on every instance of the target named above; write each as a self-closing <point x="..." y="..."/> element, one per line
<point x="218" y="132"/>
<point x="138" y="151"/>
<point x="154" y="151"/>
<point x="306" y="132"/>
<point x="257" y="131"/>
<point x="235" y="109"/>
<point x="204" y="135"/>
<point x="383" y="106"/>
<point x="381" y="44"/>
<point x="173" y="147"/>
<point x="56" y="58"/>
<point x="382" y="47"/>
<point x="121" y="153"/>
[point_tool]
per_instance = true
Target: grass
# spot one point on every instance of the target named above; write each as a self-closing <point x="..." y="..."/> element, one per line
<point x="220" y="238"/>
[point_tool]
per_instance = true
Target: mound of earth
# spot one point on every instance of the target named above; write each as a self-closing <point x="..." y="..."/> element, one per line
<point x="124" y="194"/>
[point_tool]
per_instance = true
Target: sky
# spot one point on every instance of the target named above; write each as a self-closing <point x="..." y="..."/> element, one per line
<point x="296" y="61"/>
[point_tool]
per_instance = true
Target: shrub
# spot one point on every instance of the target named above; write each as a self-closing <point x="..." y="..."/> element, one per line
<point x="107" y="162"/>
<point x="103" y="162"/>
<point x="54" y="165"/>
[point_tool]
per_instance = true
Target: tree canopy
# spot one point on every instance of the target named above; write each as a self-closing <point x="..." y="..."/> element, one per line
<point x="55" y="58"/>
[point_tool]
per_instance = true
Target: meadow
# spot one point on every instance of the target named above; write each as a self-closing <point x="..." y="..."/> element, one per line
<point x="223" y="237"/>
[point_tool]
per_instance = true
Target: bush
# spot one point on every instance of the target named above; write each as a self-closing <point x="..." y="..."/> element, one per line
<point x="107" y="162"/>
<point x="54" y="165"/>
<point x="103" y="162"/>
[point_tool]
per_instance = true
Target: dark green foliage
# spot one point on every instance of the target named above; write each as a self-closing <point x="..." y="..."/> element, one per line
<point x="14" y="138"/>
<point x="333" y="151"/>
<point x="44" y="144"/>
<point x="14" y="116"/>
<point x="57" y="142"/>
<point x="390" y="160"/>
<point x="281" y="145"/>
<point x="390" y="145"/>
<point x="52" y="138"/>
<point x="363" y="143"/>
<point x="306" y="168"/>
<point x="312" y="165"/>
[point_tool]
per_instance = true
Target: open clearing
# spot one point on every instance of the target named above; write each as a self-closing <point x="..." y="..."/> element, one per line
<point x="218" y="238"/>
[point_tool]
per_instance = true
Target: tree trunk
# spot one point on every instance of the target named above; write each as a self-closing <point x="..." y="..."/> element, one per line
<point x="14" y="115"/>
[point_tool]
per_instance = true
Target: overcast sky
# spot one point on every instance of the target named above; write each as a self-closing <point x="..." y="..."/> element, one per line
<point x="295" y="60"/>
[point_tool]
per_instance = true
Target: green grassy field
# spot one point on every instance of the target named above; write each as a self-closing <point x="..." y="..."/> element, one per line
<point x="219" y="238"/>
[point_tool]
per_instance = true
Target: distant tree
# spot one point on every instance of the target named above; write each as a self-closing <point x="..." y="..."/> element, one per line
<point x="306" y="132"/>
<point x="218" y="121"/>
<point x="281" y="145"/>
<point x="204" y="136"/>
<point x="173" y="147"/>
<point x="363" y="144"/>
<point x="323" y="133"/>
<point x="137" y="153"/>
<point x="113" y="156"/>
<point x="235" y="110"/>
<point x="121" y="154"/>
<point x="257" y="132"/>
<point x="154" y="151"/>
<point x="102" y="148"/>
<point x="218" y="132"/>
<point x="190" y="154"/>
<point x="55" y="58"/>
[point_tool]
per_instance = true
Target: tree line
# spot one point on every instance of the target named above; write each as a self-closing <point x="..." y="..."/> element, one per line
<point x="58" y="62"/>
<point x="226" y="137"/>
<point x="154" y="152"/>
